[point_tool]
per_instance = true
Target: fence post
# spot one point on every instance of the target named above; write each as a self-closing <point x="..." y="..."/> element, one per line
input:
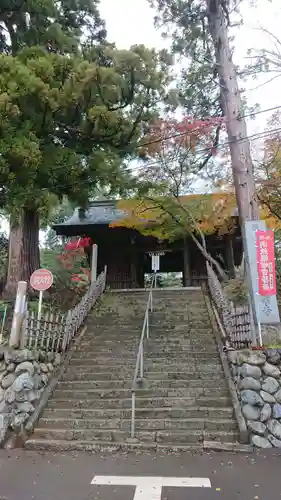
<point x="16" y="330"/>
<point x="94" y="263"/>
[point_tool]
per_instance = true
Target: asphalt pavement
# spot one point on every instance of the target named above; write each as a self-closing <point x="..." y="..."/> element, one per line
<point x="26" y="475"/>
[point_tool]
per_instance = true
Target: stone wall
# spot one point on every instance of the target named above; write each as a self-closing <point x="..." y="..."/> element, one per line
<point x="257" y="377"/>
<point x="24" y="375"/>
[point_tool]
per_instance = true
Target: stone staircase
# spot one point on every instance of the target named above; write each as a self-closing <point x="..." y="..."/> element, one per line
<point x="184" y="401"/>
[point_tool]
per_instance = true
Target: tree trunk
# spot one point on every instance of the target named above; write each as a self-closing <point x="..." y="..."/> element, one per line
<point x="242" y="164"/>
<point x="24" y="257"/>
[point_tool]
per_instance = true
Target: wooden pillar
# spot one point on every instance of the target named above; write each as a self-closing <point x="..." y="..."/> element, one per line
<point x="229" y="255"/>
<point x="186" y="264"/>
<point x="140" y="270"/>
<point x="133" y="263"/>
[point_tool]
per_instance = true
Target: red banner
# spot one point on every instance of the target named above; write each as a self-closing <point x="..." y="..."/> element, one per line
<point x="266" y="263"/>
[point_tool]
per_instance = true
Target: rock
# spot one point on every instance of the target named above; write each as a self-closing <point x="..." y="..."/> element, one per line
<point x="255" y="358"/>
<point x="4" y="424"/>
<point x="3" y="366"/>
<point x="234" y="370"/>
<point x="270" y="385"/>
<point x="8" y="380"/>
<point x="277" y="396"/>
<point x="25" y="407"/>
<point x="257" y="427"/>
<point x="19" y="420"/>
<point x="232" y="357"/>
<point x="265" y="413"/>
<point x="270" y="370"/>
<point x="21" y="396"/>
<point x="2" y="352"/>
<point x="37" y="379"/>
<point x="36" y="367"/>
<point x="268" y="398"/>
<point x="250" y="371"/>
<point x="251" y="397"/>
<point x="58" y="358"/>
<point x="274" y="428"/>
<point x="45" y="379"/>
<point x="260" y="442"/>
<point x="50" y="357"/>
<point x="19" y="356"/>
<point x="23" y="382"/>
<point x="272" y="356"/>
<point x="2" y="394"/>
<point x="26" y="366"/>
<point x="10" y="396"/>
<point x="11" y="367"/>
<point x="32" y="396"/>
<point x="5" y="407"/>
<point x="43" y="368"/>
<point x="50" y="367"/>
<point x="275" y="442"/>
<point x="251" y="412"/>
<point x="42" y="356"/>
<point x="250" y="383"/>
<point x="276" y="412"/>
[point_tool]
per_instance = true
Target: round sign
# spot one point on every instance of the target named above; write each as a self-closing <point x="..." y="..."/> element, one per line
<point x="41" y="280"/>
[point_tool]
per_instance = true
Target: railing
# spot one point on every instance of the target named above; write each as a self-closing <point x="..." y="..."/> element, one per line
<point x="140" y="356"/>
<point x="54" y="332"/>
<point x="235" y="320"/>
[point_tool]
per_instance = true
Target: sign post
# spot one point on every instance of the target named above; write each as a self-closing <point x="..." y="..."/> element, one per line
<point x="155" y="260"/>
<point x="264" y="306"/>
<point x="41" y="280"/>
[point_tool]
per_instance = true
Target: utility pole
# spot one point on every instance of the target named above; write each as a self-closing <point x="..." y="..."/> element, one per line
<point x="242" y="164"/>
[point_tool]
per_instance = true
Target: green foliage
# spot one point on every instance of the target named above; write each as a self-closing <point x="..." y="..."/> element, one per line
<point x="67" y="123"/>
<point x="186" y="21"/>
<point x="3" y="256"/>
<point x="56" y="25"/>
<point x="236" y="291"/>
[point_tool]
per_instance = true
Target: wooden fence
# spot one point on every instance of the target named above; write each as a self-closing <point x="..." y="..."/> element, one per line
<point x="235" y="320"/>
<point x="54" y="332"/>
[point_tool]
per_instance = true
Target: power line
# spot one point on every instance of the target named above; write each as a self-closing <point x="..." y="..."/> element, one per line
<point x="195" y="129"/>
<point x="224" y="145"/>
<point x="186" y="133"/>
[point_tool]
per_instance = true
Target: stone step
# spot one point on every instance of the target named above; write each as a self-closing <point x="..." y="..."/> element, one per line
<point x="172" y="436"/>
<point x="151" y="347"/>
<point x="59" y="400"/>
<point x="166" y="338"/>
<point x="141" y="424"/>
<point x="78" y="390"/>
<point x="126" y="381"/>
<point x="197" y="370"/>
<point x="111" y="365"/>
<point x="58" y="445"/>
<point x="188" y="371"/>
<point x="192" y="412"/>
<point x="170" y="341"/>
<point x="177" y="354"/>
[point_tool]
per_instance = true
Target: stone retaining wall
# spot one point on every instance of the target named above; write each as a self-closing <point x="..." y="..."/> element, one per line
<point x="257" y="376"/>
<point x="24" y="374"/>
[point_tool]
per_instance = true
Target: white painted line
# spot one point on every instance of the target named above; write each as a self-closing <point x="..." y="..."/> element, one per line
<point x="173" y="482"/>
<point x="150" y="488"/>
<point x="148" y="493"/>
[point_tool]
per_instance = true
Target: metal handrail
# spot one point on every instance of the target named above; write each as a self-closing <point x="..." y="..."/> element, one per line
<point x="140" y="356"/>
